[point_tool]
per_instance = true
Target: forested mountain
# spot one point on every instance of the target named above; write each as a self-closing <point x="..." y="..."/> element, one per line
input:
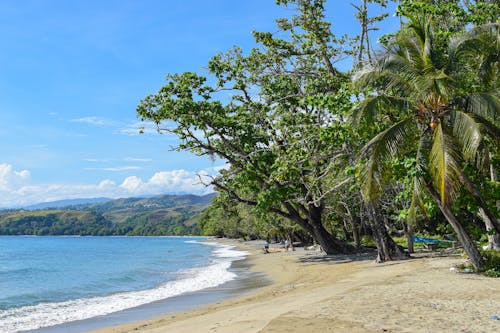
<point x="64" y="203"/>
<point x="160" y="215"/>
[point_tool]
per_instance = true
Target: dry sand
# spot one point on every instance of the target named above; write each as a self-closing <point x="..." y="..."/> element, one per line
<point x="313" y="293"/>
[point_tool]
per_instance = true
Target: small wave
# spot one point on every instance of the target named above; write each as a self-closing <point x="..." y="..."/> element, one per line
<point x="13" y="273"/>
<point x="49" y="314"/>
<point x="225" y="251"/>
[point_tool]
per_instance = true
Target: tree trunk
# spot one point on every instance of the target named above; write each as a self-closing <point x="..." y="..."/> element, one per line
<point x="462" y="234"/>
<point x="409" y="236"/>
<point x="489" y="219"/>
<point x="387" y="249"/>
<point x="356" y="232"/>
<point x="347" y="234"/>
<point x="493" y="239"/>
<point x="313" y="225"/>
<point x="329" y="243"/>
<point x="355" y="225"/>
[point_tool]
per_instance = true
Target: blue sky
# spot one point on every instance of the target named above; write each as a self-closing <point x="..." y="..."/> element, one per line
<point x="72" y="73"/>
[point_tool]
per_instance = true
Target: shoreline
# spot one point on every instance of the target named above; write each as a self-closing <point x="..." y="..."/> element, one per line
<point x="244" y="282"/>
<point x="315" y="293"/>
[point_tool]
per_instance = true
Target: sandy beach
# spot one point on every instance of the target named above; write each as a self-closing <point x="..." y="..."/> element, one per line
<point x="313" y="293"/>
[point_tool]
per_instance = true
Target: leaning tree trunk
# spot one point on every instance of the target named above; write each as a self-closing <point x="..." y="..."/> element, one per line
<point x="329" y="243"/>
<point x="493" y="239"/>
<point x="462" y="234"/>
<point x="387" y="249"/>
<point x="490" y="220"/>
<point x="493" y="236"/>
<point x="313" y="225"/>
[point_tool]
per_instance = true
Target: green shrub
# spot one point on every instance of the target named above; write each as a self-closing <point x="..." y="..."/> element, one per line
<point x="491" y="263"/>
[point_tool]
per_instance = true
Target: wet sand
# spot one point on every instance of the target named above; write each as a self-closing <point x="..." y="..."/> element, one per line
<point x="314" y="293"/>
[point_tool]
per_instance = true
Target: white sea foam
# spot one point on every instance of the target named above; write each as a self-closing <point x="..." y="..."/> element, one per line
<point x="49" y="314"/>
<point x="228" y="251"/>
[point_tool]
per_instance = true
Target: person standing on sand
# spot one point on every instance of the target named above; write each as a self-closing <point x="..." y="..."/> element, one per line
<point x="287" y="244"/>
<point x="266" y="247"/>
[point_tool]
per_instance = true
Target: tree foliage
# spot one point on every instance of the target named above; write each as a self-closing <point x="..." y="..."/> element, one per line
<point x="417" y="143"/>
<point x="276" y="129"/>
<point x="433" y="111"/>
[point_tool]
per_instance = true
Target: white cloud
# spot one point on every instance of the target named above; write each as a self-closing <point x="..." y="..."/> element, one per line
<point x="117" y="169"/>
<point x="224" y="166"/>
<point x="9" y="178"/>
<point x="98" y="160"/>
<point x="37" y="146"/>
<point x="106" y="184"/>
<point x="17" y="189"/>
<point x="131" y="184"/>
<point x="125" y="159"/>
<point x="136" y="159"/>
<point x="96" y="121"/>
<point x="138" y="127"/>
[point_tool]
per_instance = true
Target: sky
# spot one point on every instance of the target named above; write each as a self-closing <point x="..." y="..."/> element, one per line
<point x="72" y="73"/>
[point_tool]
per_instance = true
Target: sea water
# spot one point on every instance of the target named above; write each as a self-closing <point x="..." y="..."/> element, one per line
<point x="47" y="281"/>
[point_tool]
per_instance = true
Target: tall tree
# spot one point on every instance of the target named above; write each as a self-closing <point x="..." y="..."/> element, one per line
<point x="416" y="86"/>
<point x="277" y="127"/>
<point x="367" y="24"/>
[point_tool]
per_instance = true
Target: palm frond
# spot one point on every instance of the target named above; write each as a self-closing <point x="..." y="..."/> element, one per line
<point x="419" y="29"/>
<point x="484" y="104"/>
<point x="417" y="183"/>
<point x="489" y="68"/>
<point x="472" y="41"/>
<point x="393" y="69"/>
<point x="366" y="76"/>
<point x="483" y="160"/>
<point x="433" y="82"/>
<point x="366" y="110"/>
<point x="380" y="150"/>
<point x="481" y="46"/>
<point x="468" y="129"/>
<point x="444" y="164"/>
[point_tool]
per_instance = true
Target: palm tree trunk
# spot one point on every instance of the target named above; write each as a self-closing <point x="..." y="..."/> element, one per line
<point x="462" y="234"/>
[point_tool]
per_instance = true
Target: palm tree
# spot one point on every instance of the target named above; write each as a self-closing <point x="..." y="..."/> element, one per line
<point x="440" y="100"/>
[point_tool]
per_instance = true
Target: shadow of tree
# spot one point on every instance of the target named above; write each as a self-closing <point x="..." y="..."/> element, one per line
<point x="337" y="259"/>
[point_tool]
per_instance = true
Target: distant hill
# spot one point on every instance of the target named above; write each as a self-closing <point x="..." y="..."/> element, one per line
<point x="159" y="215"/>
<point x="65" y="203"/>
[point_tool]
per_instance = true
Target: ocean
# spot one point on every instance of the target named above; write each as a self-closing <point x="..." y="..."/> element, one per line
<point x="46" y="281"/>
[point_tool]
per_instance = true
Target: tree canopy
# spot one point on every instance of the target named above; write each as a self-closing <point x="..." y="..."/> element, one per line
<point x="344" y="153"/>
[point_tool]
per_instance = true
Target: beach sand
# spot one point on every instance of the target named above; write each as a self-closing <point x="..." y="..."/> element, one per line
<point x="313" y="293"/>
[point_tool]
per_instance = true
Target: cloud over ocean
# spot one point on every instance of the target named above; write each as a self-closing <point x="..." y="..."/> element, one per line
<point x="17" y="188"/>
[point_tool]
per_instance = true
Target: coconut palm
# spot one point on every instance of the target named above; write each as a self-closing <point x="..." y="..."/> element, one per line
<point x="439" y="101"/>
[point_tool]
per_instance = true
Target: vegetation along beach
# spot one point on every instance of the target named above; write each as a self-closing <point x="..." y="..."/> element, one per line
<point x="304" y="166"/>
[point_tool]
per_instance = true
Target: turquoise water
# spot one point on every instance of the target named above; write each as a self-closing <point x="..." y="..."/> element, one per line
<point x="46" y="281"/>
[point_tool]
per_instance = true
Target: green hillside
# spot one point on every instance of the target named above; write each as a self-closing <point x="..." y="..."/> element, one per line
<point x="161" y="215"/>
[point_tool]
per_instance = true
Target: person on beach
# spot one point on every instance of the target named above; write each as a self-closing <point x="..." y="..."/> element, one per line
<point x="266" y="247"/>
<point x="287" y="244"/>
